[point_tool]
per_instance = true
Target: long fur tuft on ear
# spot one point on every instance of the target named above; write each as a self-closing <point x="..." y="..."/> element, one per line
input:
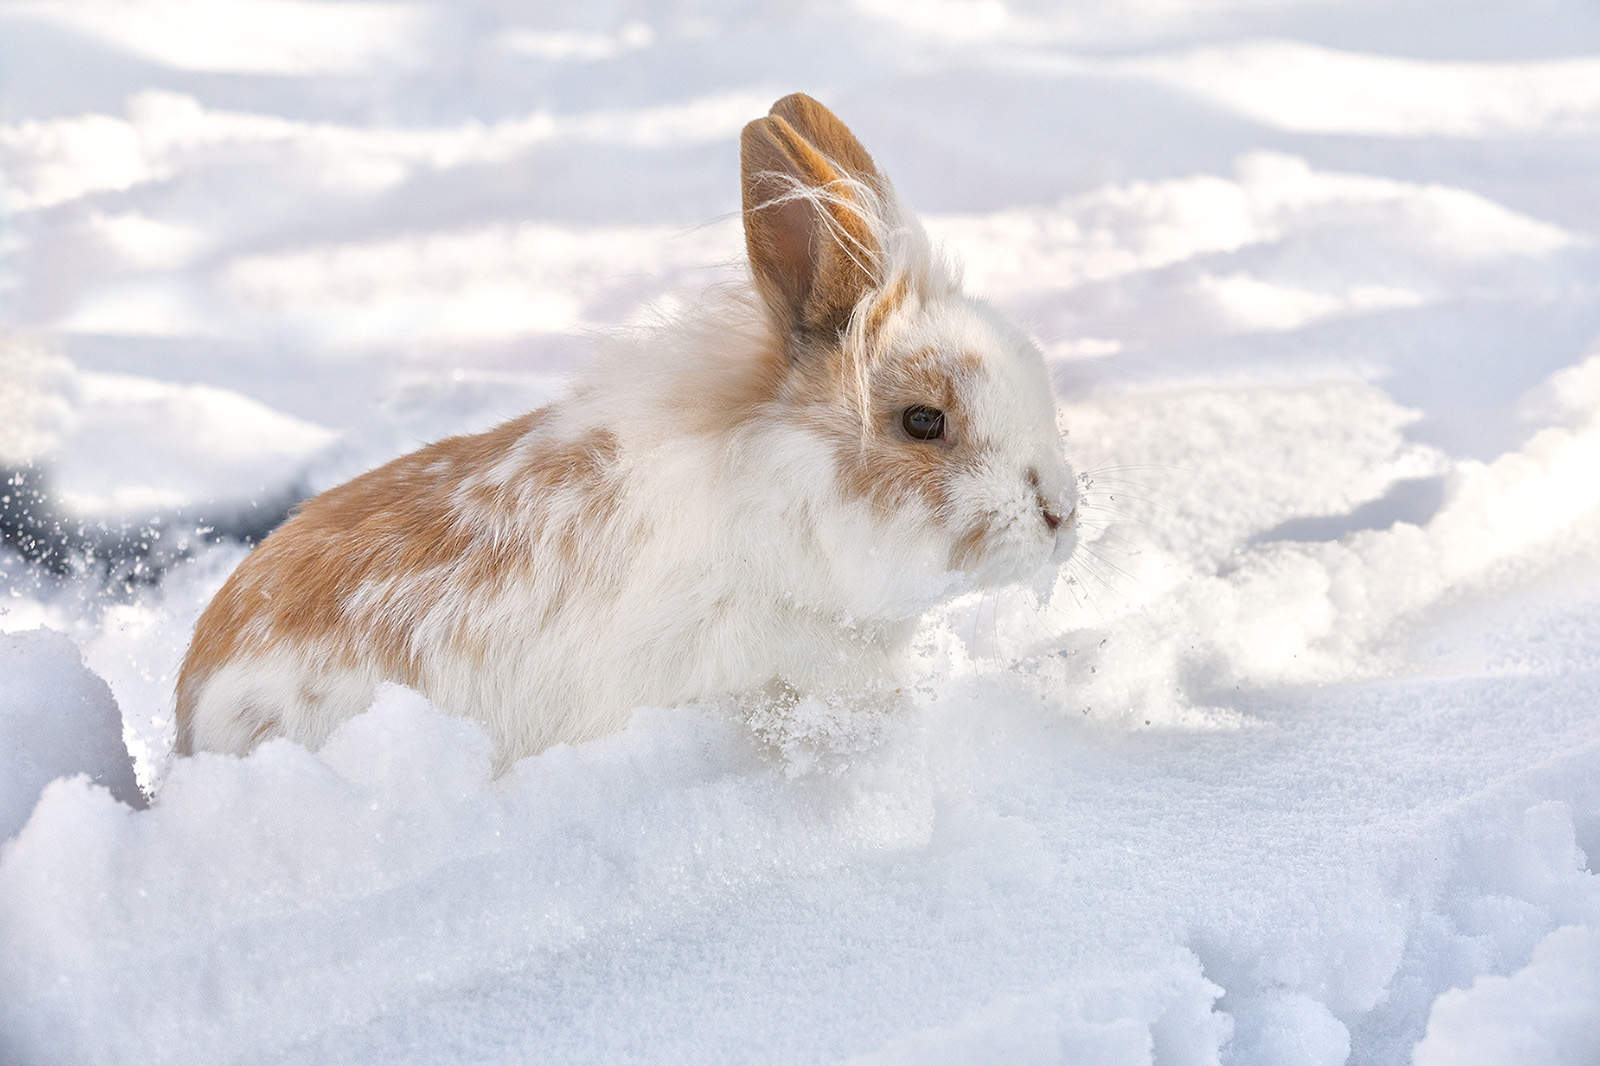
<point x="823" y="227"/>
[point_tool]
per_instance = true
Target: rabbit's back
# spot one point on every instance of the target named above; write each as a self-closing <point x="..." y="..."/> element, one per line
<point x="437" y="563"/>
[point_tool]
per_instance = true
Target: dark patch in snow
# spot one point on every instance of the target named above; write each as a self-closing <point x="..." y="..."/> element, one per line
<point x="123" y="553"/>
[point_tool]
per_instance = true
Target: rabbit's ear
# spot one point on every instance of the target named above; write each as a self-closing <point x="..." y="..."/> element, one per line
<point x="811" y="197"/>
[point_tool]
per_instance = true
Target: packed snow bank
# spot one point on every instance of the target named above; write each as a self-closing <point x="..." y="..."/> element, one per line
<point x="1197" y="596"/>
<point x="261" y="901"/>
<point x="57" y="720"/>
<point x="1430" y="233"/>
<point x="319" y="907"/>
<point x="990" y="878"/>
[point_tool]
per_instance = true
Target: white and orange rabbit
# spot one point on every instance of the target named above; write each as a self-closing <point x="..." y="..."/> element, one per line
<point x="762" y="497"/>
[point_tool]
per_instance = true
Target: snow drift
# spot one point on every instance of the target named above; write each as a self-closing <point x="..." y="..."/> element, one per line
<point x="1299" y="763"/>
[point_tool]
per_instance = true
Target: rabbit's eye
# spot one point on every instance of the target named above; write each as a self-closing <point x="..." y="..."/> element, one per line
<point x="923" y="423"/>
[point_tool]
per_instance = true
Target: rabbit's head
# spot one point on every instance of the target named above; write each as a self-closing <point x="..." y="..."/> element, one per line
<point x="937" y="411"/>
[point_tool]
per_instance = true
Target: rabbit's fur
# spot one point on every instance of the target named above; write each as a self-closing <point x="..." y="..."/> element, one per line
<point x="737" y="504"/>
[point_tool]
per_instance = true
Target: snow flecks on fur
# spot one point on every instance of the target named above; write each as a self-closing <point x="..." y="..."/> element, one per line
<point x="813" y="734"/>
<point x="710" y="544"/>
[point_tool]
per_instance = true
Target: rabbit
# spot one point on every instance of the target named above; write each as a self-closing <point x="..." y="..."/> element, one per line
<point x="762" y="496"/>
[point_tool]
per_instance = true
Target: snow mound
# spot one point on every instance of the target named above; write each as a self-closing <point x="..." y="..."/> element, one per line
<point x="57" y="719"/>
<point x="258" y="894"/>
<point x="282" y="37"/>
<point x="1197" y="594"/>
<point x="1548" y="1012"/>
<point x="211" y="445"/>
<point x="1300" y="765"/>
<point x="1304" y="87"/>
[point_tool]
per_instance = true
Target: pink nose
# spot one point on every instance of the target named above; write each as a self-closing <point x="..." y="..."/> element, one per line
<point x="1053" y="520"/>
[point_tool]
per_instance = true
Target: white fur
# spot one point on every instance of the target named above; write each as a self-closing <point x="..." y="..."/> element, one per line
<point x="734" y="563"/>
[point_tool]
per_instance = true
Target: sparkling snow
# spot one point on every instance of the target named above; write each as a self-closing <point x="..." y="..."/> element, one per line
<point x="1298" y="763"/>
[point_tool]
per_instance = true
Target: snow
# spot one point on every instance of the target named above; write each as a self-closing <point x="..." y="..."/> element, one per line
<point x="243" y="36"/>
<point x="1548" y="1011"/>
<point x="1298" y="86"/>
<point x="57" y="719"/>
<point x="1299" y="761"/>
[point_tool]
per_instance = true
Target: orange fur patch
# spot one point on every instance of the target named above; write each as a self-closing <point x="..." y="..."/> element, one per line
<point x="877" y="460"/>
<point x="811" y="247"/>
<point x="351" y="576"/>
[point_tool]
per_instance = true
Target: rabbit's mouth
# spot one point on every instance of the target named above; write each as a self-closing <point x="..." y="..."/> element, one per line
<point x="1053" y="520"/>
<point x="1057" y="514"/>
<point x="1066" y="533"/>
<point x="1007" y="549"/>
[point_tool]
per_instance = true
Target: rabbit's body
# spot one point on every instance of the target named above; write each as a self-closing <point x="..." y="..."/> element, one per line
<point x="749" y="500"/>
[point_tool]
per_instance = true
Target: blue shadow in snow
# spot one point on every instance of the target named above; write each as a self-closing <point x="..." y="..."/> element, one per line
<point x="1415" y="500"/>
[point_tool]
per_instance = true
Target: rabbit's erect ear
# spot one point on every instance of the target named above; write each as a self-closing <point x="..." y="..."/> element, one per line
<point x="811" y="195"/>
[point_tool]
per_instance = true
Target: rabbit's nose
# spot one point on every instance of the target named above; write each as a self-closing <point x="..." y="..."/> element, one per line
<point x="1054" y="520"/>
<point x="1050" y="513"/>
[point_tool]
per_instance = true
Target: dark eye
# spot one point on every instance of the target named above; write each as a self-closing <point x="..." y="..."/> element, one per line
<point x="923" y="423"/>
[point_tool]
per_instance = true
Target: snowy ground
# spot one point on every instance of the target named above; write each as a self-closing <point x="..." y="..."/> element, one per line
<point x="1300" y="764"/>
